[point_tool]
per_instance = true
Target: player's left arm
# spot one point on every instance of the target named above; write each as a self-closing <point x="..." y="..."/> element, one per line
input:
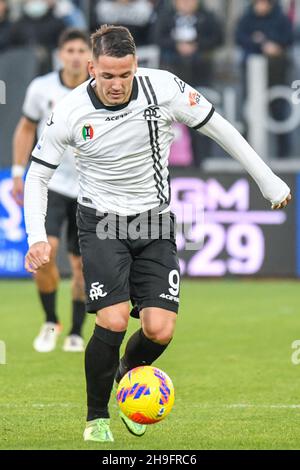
<point x="272" y="187"/>
<point x="188" y="106"/>
<point x="46" y="157"/>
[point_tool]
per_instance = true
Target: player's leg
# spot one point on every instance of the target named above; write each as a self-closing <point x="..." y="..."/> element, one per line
<point x="74" y="341"/>
<point x="148" y="343"/>
<point x="47" y="280"/>
<point x="155" y="285"/>
<point x="106" y="267"/>
<point x="144" y="347"/>
<point x="101" y="363"/>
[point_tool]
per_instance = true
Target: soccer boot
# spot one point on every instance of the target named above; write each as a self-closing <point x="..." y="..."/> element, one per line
<point x="134" y="428"/>
<point x="73" y="343"/>
<point x="47" y="337"/>
<point x="98" y="430"/>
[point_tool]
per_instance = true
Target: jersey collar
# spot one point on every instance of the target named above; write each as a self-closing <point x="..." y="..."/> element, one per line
<point x="60" y="77"/>
<point x="99" y="105"/>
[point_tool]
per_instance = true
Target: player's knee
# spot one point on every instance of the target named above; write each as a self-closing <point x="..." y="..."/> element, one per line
<point x="114" y="318"/>
<point x="76" y="263"/>
<point x="158" y="325"/>
<point x="113" y="324"/>
<point x="159" y="334"/>
<point x="78" y="281"/>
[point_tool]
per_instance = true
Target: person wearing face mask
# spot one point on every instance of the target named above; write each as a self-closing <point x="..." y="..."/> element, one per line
<point x="188" y="34"/>
<point x="38" y="26"/>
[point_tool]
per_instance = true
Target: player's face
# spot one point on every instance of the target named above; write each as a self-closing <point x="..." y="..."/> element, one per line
<point x="74" y="56"/>
<point x="114" y="78"/>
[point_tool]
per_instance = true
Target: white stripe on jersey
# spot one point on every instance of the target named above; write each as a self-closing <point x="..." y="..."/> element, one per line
<point x="122" y="151"/>
<point x="41" y="97"/>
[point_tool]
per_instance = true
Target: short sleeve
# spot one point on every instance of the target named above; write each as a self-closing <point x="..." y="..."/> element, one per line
<point x="187" y="105"/>
<point x="54" y="140"/>
<point x="31" y="107"/>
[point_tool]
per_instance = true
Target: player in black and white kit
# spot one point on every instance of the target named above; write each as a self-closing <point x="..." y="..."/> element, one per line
<point x="119" y="124"/>
<point x="42" y="95"/>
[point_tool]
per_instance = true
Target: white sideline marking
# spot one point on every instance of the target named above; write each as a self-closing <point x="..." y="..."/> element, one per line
<point x="245" y="405"/>
<point x="200" y="406"/>
<point x="39" y="405"/>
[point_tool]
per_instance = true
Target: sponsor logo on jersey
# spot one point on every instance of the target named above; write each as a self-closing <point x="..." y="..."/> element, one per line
<point x="169" y="297"/>
<point x="152" y="113"/>
<point x="116" y="118"/>
<point x="180" y="84"/>
<point x="194" y="98"/>
<point x="50" y="120"/>
<point x="96" y="291"/>
<point x="87" y="132"/>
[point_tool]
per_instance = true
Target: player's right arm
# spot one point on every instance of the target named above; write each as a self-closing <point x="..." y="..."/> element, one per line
<point x="23" y="141"/>
<point x="24" y="135"/>
<point x="46" y="157"/>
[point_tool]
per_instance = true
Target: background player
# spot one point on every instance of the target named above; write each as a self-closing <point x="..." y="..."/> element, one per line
<point x="120" y="123"/>
<point x="42" y="95"/>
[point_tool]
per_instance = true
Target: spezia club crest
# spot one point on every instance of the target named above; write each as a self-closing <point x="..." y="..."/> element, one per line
<point x="87" y="132"/>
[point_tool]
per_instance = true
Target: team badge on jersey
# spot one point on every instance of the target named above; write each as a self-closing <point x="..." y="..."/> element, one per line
<point x="87" y="132"/>
<point x="152" y="113"/>
<point x="194" y="98"/>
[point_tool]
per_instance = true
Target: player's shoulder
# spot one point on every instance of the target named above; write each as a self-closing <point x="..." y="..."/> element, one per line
<point x="72" y="101"/>
<point x="42" y="82"/>
<point x="163" y="82"/>
<point x="154" y="74"/>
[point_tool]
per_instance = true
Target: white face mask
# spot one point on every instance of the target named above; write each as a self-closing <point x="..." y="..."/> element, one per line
<point x="36" y="8"/>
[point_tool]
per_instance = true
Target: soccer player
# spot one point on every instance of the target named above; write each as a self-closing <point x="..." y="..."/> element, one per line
<point x="119" y="122"/>
<point x="42" y="94"/>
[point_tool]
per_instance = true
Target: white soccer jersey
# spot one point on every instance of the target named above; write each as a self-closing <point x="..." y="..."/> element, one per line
<point x="41" y="97"/>
<point x="122" y="151"/>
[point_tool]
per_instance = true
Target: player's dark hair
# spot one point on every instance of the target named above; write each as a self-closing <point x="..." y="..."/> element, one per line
<point x="114" y="41"/>
<point x="70" y="34"/>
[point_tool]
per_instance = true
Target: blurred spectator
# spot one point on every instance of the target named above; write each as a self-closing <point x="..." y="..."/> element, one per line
<point x="5" y="26"/>
<point x="265" y="29"/>
<point x="188" y="34"/>
<point x="136" y="15"/>
<point x="38" y="26"/>
<point x="71" y="14"/>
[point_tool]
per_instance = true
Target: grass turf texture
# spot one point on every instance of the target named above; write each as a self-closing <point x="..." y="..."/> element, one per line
<point x="230" y="361"/>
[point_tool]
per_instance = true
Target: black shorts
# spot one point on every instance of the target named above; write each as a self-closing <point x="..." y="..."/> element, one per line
<point x="125" y="266"/>
<point x="62" y="209"/>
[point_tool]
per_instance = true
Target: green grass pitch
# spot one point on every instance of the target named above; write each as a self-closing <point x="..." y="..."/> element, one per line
<point x="235" y="384"/>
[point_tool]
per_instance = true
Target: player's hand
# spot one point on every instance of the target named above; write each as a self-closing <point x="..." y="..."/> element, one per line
<point x="18" y="190"/>
<point x="37" y="255"/>
<point x="283" y="204"/>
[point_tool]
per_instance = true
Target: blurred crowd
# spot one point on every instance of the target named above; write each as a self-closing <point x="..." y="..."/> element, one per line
<point x="189" y="33"/>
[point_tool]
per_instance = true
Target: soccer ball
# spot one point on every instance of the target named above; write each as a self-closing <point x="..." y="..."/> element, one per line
<point x="146" y="395"/>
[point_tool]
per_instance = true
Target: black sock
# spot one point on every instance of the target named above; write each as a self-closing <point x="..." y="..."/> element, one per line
<point x="49" y="305"/>
<point x="139" y="351"/>
<point x="78" y="316"/>
<point x="101" y="362"/>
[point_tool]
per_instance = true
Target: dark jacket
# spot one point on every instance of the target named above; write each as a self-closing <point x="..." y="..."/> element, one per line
<point x="276" y="27"/>
<point x="42" y="31"/>
<point x="5" y="34"/>
<point x="209" y="30"/>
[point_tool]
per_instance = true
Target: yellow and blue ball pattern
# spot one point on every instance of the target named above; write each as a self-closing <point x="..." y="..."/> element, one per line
<point x="146" y="395"/>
